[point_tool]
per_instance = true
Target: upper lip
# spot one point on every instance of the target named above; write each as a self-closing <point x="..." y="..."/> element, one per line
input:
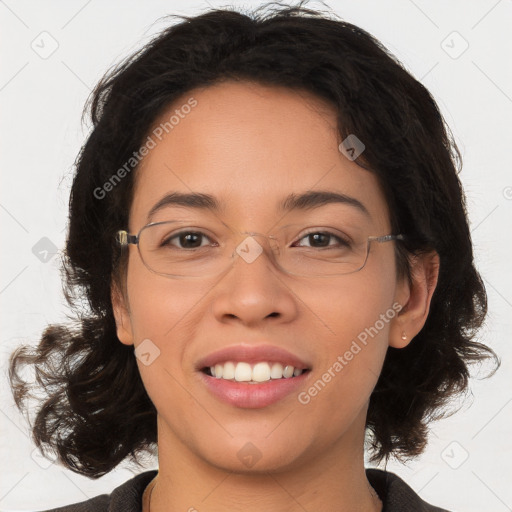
<point x="252" y="354"/>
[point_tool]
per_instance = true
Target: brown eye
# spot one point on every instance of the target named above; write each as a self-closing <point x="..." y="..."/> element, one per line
<point x="186" y="240"/>
<point x="320" y="239"/>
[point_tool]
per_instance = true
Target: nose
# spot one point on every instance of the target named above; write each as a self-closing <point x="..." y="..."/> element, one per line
<point x="254" y="291"/>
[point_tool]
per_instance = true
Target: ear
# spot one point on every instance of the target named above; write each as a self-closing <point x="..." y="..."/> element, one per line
<point x="414" y="295"/>
<point x="121" y="315"/>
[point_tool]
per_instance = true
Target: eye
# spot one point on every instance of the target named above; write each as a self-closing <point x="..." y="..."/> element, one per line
<point x="186" y="240"/>
<point x="320" y="239"/>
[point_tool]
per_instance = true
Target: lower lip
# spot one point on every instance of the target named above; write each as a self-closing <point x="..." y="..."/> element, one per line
<point x="253" y="396"/>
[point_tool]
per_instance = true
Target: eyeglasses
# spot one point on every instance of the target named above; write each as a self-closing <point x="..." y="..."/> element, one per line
<point x="182" y="249"/>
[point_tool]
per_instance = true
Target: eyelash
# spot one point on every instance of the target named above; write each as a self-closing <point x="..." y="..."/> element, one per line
<point x="342" y="242"/>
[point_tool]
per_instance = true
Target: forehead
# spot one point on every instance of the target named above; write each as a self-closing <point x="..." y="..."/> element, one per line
<point x="250" y="146"/>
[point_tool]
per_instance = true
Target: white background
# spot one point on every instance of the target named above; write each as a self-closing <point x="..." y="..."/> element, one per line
<point x="41" y="134"/>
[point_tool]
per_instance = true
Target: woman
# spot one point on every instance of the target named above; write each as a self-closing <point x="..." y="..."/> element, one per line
<point x="267" y="215"/>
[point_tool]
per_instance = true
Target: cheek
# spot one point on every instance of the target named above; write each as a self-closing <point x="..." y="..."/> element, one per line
<point x="357" y="306"/>
<point x="357" y="315"/>
<point x="166" y="312"/>
<point x="160" y="306"/>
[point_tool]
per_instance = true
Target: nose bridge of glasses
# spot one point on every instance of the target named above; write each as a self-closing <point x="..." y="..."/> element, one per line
<point x="249" y="245"/>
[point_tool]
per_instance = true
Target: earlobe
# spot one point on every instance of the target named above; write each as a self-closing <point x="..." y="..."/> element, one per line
<point x="121" y="316"/>
<point x="415" y="295"/>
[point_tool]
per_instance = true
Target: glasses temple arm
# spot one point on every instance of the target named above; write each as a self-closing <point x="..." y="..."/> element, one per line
<point x="124" y="238"/>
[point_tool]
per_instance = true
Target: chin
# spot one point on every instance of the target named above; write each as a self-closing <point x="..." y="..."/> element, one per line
<point x="255" y="455"/>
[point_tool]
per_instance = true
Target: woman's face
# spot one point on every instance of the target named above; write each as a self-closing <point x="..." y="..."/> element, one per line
<point x="251" y="147"/>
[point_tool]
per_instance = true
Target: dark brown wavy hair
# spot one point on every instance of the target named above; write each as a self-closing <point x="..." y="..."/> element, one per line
<point x="96" y="412"/>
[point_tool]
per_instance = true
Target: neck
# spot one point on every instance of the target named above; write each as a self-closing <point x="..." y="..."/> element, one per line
<point x="331" y="480"/>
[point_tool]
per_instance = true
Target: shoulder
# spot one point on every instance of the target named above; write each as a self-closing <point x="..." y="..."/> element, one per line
<point x="125" y="498"/>
<point x="396" y="495"/>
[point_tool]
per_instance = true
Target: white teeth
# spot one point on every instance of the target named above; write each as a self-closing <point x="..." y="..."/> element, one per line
<point x="288" y="372"/>
<point x="277" y="371"/>
<point x="260" y="372"/>
<point x="229" y="370"/>
<point x="243" y="372"/>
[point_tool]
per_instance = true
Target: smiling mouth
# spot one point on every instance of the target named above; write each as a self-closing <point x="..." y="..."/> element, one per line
<point x="257" y="373"/>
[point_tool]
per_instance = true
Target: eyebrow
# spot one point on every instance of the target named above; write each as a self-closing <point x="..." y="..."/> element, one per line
<point x="189" y="200"/>
<point x="317" y="198"/>
<point x="306" y="201"/>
